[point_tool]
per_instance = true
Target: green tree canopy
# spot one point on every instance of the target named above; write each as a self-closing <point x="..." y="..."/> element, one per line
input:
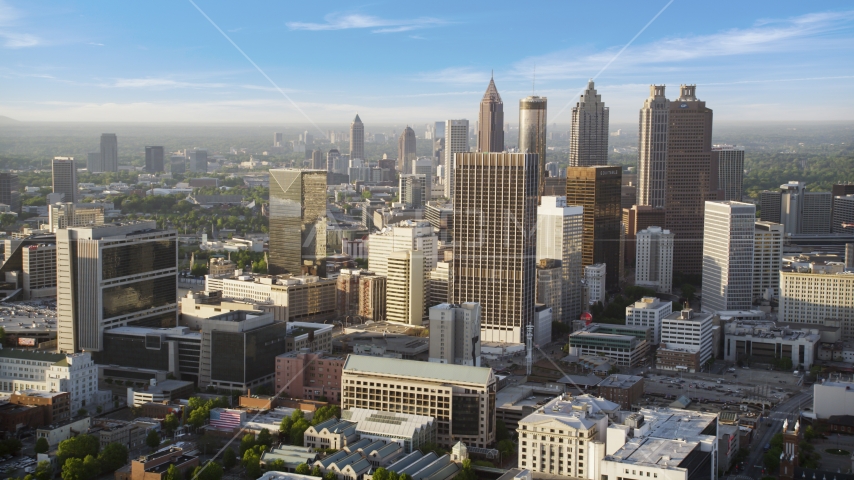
<point x="229" y="459"/>
<point x="113" y="457"/>
<point x="41" y="445"/>
<point x="303" y="469"/>
<point x="153" y="439"/>
<point x="77" y="447"/>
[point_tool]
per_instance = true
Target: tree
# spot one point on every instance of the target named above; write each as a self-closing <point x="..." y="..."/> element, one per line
<point x="297" y="432"/>
<point x="507" y="448"/>
<point x="171" y="423"/>
<point x="406" y="476"/>
<point x="229" y="459"/>
<point x="113" y="457"/>
<point x="324" y="413"/>
<point x="285" y="427"/>
<point x="210" y="471"/>
<point x="467" y="472"/>
<point x="73" y="469"/>
<point x="153" y="439"/>
<point x="315" y="472"/>
<point x="393" y="476"/>
<point x="172" y="473"/>
<point x="688" y="292"/>
<point x="41" y="445"/>
<point x="277" y="465"/>
<point x="264" y="438"/>
<point x="91" y="466"/>
<point x="297" y="415"/>
<point x="381" y="474"/>
<point x="44" y="471"/>
<point x="77" y="447"/>
<point x="810" y="434"/>
<point x="303" y="469"/>
<point x="246" y="443"/>
<point x="330" y="475"/>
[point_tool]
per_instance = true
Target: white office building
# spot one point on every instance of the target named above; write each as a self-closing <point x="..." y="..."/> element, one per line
<point x="456" y="141"/>
<point x="767" y="259"/>
<point x="559" y="235"/>
<point x="832" y="398"/>
<point x="455" y="334"/>
<point x="405" y="292"/>
<point x="728" y="256"/>
<point x="687" y="332"/>
<point x="594" y="282"/>
<point x="406" y="235"/>
<point x="75" y="373"/>
<point x="648" y="312"/>
<point x="816" y="288"/>
<point x="654" y="260"/>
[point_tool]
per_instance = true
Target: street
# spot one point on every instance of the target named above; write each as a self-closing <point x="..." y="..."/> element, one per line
<point x="790" y="409"/>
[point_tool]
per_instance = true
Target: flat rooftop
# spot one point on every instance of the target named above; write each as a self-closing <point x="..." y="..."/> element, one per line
<point x="432" y="372"/>
<point x="620" y="381"/>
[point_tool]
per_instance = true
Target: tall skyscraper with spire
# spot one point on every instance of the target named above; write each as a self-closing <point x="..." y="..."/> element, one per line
<point x="406" y="151"/>
<point x="677" y="169"/>
<point x="357" y="139"/>
<point x="532" y="133"/>
<point x="588" y="145"/>
<point x="490" y="126"/>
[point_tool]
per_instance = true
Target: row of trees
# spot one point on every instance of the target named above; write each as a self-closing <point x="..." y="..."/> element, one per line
<point x="81" y="457"/>
<point x="198" y="410"/>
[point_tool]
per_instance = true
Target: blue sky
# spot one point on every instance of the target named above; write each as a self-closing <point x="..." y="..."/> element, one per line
<point x="414" y="62"/>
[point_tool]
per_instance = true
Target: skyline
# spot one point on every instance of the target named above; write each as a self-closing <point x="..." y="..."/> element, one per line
<point x="77" y="62"/>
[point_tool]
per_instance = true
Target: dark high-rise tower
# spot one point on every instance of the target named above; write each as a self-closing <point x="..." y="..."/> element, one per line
<point x="532" y="133"/>
<point x="589" y="136"/>
<point x="597" y="189"/>
<point x="64" y="174"/>
<point x="10" y="193"/>
<point x="495" y="240"/>
<point x="357" y="139"/>
<point x="297" y="218"/>
<point x="154" y="159"/>
<point x="490" y="126"/>
<point x="406" y="151"/>
<point x="109" y="153"/>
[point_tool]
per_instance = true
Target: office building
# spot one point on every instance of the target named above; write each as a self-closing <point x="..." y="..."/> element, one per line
<point x="550" y="285"/>
<point x="45" y="371"/>
<point x="624" y="390"/>
<point x="304" y="297"/>
<point x="456" y="141"/>
<point x="730" y="171"/>
<point x="597" y="189"/>
<point x="559" y="236"/>
<point x="297" y="219"/>
<point x="65" y="214"/>
<point x="39" y="271"/>
<point x="664" y="443"/>
<point x="532" y="134"/>
<point x="728" y="241"/>
<point x="357" y="139"/>
<point x="769" y="206"/>
<point x="93" y="162"/>
<point x="154" y="159"/>
<point x="334" y="163"/>
<point x="114" y="275"/>
<point x="843" y="214"/>
<point x="178" y="164"/>
<point x="565" y="437"/>
<point x="648" y="312"/>
<point x="439" y="284"/>
<point x="309" y="376"/>
<point x="414" y="190"/>
<point x="347" y="290"/>
<point x="405" y="290"/>
<point x="423" y="166"/>
<point x="588" y="143"/>
<point x="278" y="139"/>
<point x="764" y="341"/>
<point x="595" y="278"/>
<point x="816" y="218"/>
<point x="406" y="150"/>
<point x="441" y="217"/>
<point x="495" y="240"/>
<point x="686" y="341"/>
<point x="635" y="219"/>
<point x="198" y="160"/>
<point x="455" y="334"/>
<point x="800" y="211"/>
<point x="816" y="288"/>
<point x="402" y="236"/>
<point x="109" y="153"/>
<point x="462" y="398"/>
<point x="832" y="398"/>
<point x="372" y="298"/>
<point x="317" y="160"/>
<point x="654" y="266"/>
<point x="64" y="175"/>
<point x="10" y="192"/>
<point x="623" y="345"/>
<point x="767" y="259"/>
<point x="676" y="168"/>
<point x="490" y="124"/>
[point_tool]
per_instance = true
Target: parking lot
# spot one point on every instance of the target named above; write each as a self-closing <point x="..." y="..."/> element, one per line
<point x="16" y="466"/>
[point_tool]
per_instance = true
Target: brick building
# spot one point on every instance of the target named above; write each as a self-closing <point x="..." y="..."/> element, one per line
<point x="311" y="376"/>
<point x="624" y="390"/>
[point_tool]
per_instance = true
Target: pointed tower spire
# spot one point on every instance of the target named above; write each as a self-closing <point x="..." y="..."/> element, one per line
<point x="490" y="126"/>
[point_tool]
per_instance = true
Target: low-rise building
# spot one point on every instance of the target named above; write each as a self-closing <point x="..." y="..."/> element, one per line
<point x="764" y="341"/>
<point x="50" y="372"/>
<point x="58" y="432"/>
<point x="648" y="312"/>
<point x="460" y="398"/>
<point x="312" y="376"/>
<point x="686" y="341"/>
<point x="625" y="345"/>
<point x="411" y="431"/>
<point x="831" y="398"/>
<point x="624" y="390"/>
<point x="292" y="456"/>
<point x="130" y="434"/>
<point x="565" y="437"/>
<point x="162" y="391"/>
<point x="154" y="466"/>
<point x="55" y="405"/>
<point x="662" y="443"/>
<point x="333" y="433"/>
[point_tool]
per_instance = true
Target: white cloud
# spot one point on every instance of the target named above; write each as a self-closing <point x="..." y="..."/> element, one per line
<point x="161" y="83"/>
<point x="9" y="20"/>
<point x="765" y="36"/>
<point x="335" y="21"/>
<point x="96" y="44"/>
